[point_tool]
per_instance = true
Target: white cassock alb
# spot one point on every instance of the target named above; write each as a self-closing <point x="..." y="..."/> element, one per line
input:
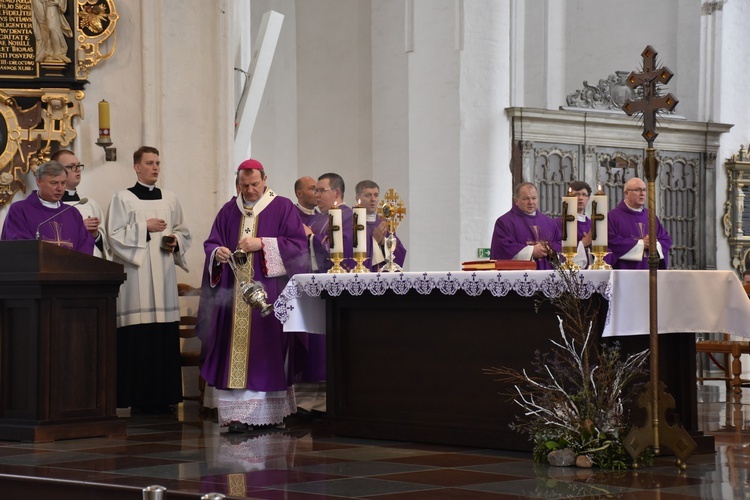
<point x="92" y="209"/>
<point x="149" y="295"/>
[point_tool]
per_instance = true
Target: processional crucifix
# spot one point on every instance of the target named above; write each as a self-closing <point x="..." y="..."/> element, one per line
<point x="676" y="438"/>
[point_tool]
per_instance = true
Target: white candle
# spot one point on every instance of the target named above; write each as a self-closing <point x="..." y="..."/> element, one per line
<point x="360" y="229"/>
<point x="599" y="207"/>
<point x="334" y="228"/>
<point x="571" y="222"/>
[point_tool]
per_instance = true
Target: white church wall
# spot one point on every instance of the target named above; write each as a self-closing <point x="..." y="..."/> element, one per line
<point x="485" y="177"/>
<point x="390" y="117"/>
<point x="434" y="138"/>
<point x="334" y="90"/>
<point x="274" y="139"/>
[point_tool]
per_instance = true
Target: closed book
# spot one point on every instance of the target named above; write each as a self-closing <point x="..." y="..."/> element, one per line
<point x="498" y="265"/>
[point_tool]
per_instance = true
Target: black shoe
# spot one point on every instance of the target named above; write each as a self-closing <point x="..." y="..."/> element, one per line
<point x="303" y="415"/>
<point x="317" y="414"/>
<point x="238" y="428"/>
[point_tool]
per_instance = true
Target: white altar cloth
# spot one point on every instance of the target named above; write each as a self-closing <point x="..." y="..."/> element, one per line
<point x="688" y="301"/>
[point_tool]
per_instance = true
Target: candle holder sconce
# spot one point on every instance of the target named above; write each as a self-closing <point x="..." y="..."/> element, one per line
<point x="570" y="253"/>
<point x="337" y="258"/>
<point x="599" y="252"/>
<point x="104" y="140"/>
<point x="110" y="152"/>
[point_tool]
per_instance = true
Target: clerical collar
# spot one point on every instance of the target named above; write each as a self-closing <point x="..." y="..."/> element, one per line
<point x="48" y="204"/>
<point x="581" y="217"/>
<point x="633" y="209"/>
<point x="145" y="192"/>
<point x="70" y="195"/>
<point x="372" y="217"/>
<point x="248" y="204"/>
<point x="308" y="211"/>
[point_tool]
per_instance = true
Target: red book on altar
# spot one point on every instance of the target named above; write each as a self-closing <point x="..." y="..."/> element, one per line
<point x="498" y="265"/>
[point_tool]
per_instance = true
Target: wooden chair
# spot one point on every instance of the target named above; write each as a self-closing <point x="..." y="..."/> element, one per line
<point x="187" y="331"/>
<point x="734" y="348"/>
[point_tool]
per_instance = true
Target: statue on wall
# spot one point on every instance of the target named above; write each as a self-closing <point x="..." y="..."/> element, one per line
<point x="50" y="30"/>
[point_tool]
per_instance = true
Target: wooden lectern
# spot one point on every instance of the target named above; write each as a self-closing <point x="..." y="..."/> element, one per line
<point x="57" y="343"/>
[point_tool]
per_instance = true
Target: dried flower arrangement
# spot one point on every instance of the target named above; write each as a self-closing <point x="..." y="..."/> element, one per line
<point x="573" y="396"/>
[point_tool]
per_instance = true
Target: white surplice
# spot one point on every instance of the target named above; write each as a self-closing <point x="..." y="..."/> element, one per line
<point x="149" y="295"/>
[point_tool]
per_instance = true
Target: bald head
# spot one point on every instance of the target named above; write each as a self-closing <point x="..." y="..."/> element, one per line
<point x="304" y="189"/>
<point x="635" y="193"/>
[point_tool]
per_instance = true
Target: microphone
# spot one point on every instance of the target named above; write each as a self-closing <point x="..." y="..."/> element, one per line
<point x="82" y="201"/>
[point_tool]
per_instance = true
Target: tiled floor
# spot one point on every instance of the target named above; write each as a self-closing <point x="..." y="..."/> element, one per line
<point x="186" y="454"/>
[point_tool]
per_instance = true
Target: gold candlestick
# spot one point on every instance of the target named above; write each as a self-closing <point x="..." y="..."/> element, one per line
<point x="336" y="258"/>
<point x="599" y="252"/>
<point x="569" y="253"/>
<point x="359" y="258"/>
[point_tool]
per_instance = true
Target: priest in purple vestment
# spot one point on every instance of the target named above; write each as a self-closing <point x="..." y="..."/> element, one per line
<point x="330" y="192"/>
<point x="309" y="348"/>
<point x="582" y="191"/>
<point x="368" y="195"/>
<point x="42" y="216"/>
<point x="307" y="207"/>
<point x="525" y="233"/>
<point x="627" y="231"/>
<point x="248" y="358"/>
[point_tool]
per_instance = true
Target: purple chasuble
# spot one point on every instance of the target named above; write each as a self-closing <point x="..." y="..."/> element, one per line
<point x="269" y="345"/>
<point x="66" y="230"/>
<point x="399" y="255"/>
<point x="624" y="228"/>
<point x="321" y="243"/>
<point x="516" y="230"/>
<point x="310" y="349"/>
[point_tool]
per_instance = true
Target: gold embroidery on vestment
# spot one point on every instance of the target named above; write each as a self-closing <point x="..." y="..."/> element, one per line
<point x="242" y="317"/>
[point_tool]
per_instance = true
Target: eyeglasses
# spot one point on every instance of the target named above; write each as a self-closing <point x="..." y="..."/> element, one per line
<point x="322" y="190"/>
<point x="637" y="190"/>
<point x="75" y="168"/>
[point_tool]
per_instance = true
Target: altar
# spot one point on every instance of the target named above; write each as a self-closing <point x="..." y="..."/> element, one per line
<point x="406" y="351"/>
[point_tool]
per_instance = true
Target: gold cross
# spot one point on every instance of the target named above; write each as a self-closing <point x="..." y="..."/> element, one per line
<point x="56" y="228"/>
<point x="651" y="103"/>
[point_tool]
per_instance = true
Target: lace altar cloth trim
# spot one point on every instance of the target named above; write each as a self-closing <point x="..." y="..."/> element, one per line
<point x="499" y="284"/>
<point x="688" y="301"/>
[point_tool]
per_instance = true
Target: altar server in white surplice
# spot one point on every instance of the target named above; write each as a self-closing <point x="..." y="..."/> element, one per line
<point x="148" y="236"/>
<point x="91" y="212"/>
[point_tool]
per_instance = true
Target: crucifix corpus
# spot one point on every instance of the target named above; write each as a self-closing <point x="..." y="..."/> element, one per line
<point x="656" y="430"/>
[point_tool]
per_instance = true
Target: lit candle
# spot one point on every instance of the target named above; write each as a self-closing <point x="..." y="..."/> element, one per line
<point x="335" y="235"/>
<point x="599" y="206"/>
<point x="360" y="229"/>
<point x="103" y="119"/>
<point x="570" y="210"/>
